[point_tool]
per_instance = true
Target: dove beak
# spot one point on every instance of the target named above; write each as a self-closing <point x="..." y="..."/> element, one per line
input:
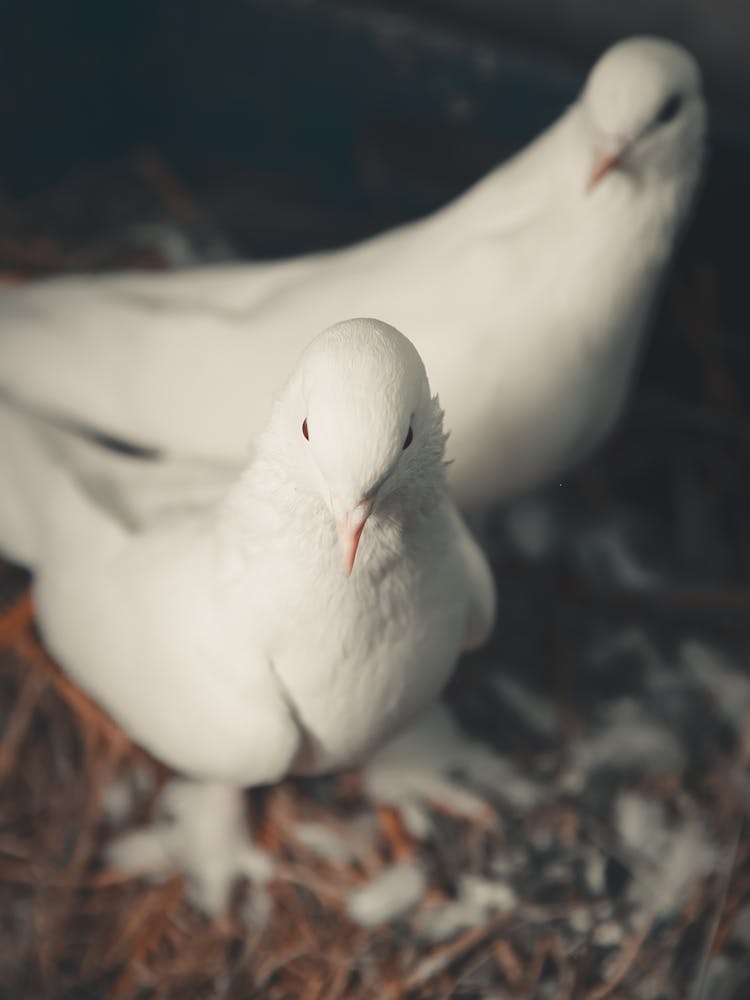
<point x="349" y="529"/>
<point x="603" y="163"/>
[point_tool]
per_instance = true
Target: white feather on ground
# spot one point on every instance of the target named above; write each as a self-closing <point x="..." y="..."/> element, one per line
<point x="388" y="895"/>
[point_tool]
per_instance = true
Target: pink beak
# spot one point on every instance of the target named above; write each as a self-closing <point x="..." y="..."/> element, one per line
<point x="349" y="529"/>
<point x="603" y="163"/>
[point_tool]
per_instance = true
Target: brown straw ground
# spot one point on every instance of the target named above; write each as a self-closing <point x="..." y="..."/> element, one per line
<point x="579" y="631"/>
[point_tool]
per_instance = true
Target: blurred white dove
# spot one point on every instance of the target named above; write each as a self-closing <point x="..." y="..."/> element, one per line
<point x="528" y="298"/>
<point x="243" y="642"/>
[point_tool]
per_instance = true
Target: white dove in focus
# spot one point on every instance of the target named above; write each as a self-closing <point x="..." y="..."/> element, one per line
<point x="243" y="642"/>
<point x="528" y="298"/>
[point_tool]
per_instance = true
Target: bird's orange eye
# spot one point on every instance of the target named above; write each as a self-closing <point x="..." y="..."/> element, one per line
<point x="409" y="439"/>
<point x="305" y="430"/>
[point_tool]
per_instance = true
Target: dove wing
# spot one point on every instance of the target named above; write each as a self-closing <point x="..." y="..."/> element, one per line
<point x="188" y="361"/>
<point x="136" y="621"/>
<point x="139" y="490"/>
<point x="168" y="375"/>
<point x="186" y="714"/>
<point x="481" y="585"/>
<point x="146" y="632"/>
<point x="44" y="512"/>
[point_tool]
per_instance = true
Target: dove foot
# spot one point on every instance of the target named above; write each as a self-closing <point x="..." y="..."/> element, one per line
<point x="418" y="768"/>
<point x="201" y="831"/>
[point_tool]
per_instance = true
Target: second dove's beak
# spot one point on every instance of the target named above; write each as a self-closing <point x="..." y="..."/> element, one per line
<point x="349" y="529"/>
<point x="603" y="163"/>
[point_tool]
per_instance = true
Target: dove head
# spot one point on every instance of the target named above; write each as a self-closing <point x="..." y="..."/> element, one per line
<point x="368" y="434"/>
<point x="645" y="113"/>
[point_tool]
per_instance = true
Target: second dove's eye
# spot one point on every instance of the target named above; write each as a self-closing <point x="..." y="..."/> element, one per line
<point x="305" y="430"/>
<point x="669" y="109"/>
<point x="409" y="439"/>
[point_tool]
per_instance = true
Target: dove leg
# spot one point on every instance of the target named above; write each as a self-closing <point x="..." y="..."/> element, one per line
<point x="418" y="767"/>
<point x="201" y="831"/>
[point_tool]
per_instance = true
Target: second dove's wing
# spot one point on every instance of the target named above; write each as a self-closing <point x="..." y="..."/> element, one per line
<point x="44" y="513"/>
<point x="189" y="362"/>
<point x="139" y="490"/>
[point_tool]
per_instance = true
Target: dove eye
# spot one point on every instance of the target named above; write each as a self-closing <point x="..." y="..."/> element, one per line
<point x="669" y="110"/>
<point x="409" y="438"/>
<point x="305" y="431"/>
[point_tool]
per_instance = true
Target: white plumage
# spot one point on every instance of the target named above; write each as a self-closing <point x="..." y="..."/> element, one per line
<point x="528" y="299"/>
<point x="229" y="641"/>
